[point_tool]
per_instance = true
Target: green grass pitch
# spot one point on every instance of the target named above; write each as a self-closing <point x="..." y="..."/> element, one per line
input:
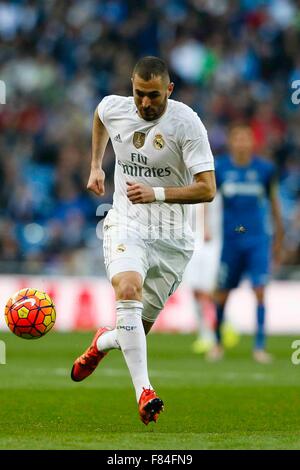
<point x="234" y="404"/>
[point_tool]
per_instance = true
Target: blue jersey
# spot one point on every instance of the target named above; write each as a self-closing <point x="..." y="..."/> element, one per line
<point x="244" y="191"/>
<point x="246" y="244"/>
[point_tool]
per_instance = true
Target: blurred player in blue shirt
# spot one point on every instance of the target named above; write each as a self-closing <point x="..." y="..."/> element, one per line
<point x="247" y="184"/>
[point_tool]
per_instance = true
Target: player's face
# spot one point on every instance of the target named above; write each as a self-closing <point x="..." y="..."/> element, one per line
<point x="151" y="96"/>
<point x="241" y="141"/>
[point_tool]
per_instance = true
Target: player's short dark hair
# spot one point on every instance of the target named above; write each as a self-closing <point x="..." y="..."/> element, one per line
<point x="149" y="67"/>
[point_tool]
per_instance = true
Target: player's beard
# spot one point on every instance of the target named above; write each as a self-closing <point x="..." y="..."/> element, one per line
<point x="154" y="113"/>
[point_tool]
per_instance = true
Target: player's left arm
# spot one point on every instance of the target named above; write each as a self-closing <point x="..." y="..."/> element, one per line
<point x="203" y="189"/>
<point x="277" y="222"/>
<point x="198" y="159"/>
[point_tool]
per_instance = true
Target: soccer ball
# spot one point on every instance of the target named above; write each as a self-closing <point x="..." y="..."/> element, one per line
<point x="30" y="313"/>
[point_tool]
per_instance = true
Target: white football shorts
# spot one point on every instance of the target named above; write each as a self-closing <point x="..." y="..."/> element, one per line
<point x="202" y="270"/>
<point x="160" y="263"/>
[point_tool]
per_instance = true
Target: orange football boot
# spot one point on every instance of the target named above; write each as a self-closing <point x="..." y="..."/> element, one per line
<point x="89" y="360"/>
<point x="150" y="405"/>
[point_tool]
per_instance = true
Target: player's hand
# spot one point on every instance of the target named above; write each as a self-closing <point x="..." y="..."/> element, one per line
<point x="96" y="181"/>
<point x="139" y="193"/>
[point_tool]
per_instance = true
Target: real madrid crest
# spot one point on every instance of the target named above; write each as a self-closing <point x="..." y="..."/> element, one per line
<point x="158" y="142"/>
<point x="139" y="139"/>
<point x="121" y="248"/>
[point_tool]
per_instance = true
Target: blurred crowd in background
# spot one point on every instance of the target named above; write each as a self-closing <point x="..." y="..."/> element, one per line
<point x="230" y="61"/>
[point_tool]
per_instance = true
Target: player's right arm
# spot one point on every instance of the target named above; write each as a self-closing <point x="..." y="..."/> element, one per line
<point x="99" y="142"/>
<point x="207" y="227"/>
<point x="277" y="222"/>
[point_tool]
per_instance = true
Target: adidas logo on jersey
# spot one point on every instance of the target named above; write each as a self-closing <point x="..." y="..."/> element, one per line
<point x="117" y="138"/>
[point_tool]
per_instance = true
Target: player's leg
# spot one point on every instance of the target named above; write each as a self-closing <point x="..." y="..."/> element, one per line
<point x="126" y="265"/>
<point x="200" y="278"/>
<point x="163" y="277"/>
<point x="259" y="352"/>
<point x="258" y="268"/>
<point x="130" y="332"/>
<point x="230" y="271"/>
<point x="125" y="256"/>
<point x="130" y="335"/>
<point x="260" y="335"/>
<point x="220" y="296"/>
<point x="109" y="340"/>
<point x="217" y="351"/>
<point x="202" y="304"/>
<point x="128" y="284"/>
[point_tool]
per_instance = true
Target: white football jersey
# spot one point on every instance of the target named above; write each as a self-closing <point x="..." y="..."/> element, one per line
<point x="166" y="152"/>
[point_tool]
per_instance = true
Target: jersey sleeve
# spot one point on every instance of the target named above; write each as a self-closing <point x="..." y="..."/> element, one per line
<point x="102" y="108"/>
<point x="107" y="108"/>
<point x="196" y="150"/>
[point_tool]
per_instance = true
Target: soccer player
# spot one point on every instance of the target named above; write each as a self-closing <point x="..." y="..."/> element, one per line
<point x="163" y="163"/>
<point x="201" y="277"/>
<point x="247" y="184"/>
<point x="201" y="273"/>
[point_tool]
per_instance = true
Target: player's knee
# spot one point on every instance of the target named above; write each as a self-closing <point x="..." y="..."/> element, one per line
<point x="128" y="291"/>
<point x="201" y="296"/>
<point x="260" y="294"/>
<point x="221" y="296"/>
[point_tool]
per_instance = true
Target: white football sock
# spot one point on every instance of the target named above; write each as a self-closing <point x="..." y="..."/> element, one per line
<point x="132" y="340"/>
<point x="108" y="341"/>
<point x="204" y="332"/>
